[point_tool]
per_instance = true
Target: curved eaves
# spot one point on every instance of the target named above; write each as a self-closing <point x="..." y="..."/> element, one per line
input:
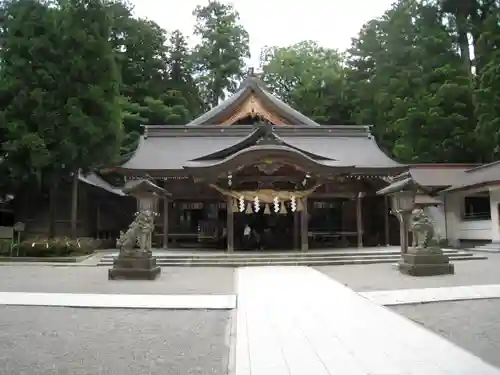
<point x="255" y="154"/>
<point x="250" y="141"/>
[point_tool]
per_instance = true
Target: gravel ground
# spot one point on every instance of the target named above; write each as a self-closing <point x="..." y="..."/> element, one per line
<point x="67" y="341"/>
<point x="385" y="277"/>
<point x="473" y="325"/>
<point x="173" y="280"/>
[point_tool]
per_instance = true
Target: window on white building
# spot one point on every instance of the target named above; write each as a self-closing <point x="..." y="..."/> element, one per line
<point x="476" y="208"/>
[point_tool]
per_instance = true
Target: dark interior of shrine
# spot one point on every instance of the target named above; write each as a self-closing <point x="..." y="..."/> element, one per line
<point x="269" y="230"/>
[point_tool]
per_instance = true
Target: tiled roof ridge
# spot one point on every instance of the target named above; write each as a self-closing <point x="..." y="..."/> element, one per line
<point x="239" y="130"/>
<point x="482" y="167"/>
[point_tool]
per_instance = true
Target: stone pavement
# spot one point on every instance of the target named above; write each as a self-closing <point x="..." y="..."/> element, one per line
<point x="120" y="301"/>
<point x="75" y="341"/>
<point x="295" y="320"/>
<point x="473" y="325"/>
<point x="290" y="320"/>
<point x="411" y="296"/>
<point x="94" y="280"/>
<point x="375" y="277"/>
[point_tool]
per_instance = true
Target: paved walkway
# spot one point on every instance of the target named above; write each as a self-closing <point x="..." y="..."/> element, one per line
<point x="410" y="296"/>
<point x="296" y="321"/>
<point x="123" y="301"/>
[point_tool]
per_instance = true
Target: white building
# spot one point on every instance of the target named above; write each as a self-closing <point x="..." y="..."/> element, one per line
<point x="469" y="196"/>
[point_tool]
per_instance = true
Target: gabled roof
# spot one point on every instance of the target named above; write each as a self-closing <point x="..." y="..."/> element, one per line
<point x="166" y="149"/>
<point x="94" y="180"/>
<point x="433" y="178"/>
<point x="438" y="176"/>
<point x="252" y="85"/>
<point x="483" y="175"/>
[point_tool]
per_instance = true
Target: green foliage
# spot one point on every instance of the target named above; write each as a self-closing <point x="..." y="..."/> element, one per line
<point x="220" y="55"/>
<point x="154" y="67"/>
<point x="60" y="88"/>
<point x="181" y="69"/>
<point x="310" y="78"/>
<point x="30" y="117"/>
<point x="412" y="86"/>
<point x="80" y="78"/>
<point x="488" y="90"/>
<point x="56" y="247"/>
<point x="92" y="85"/>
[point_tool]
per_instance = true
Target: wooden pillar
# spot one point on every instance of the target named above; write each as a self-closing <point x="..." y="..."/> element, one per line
<point x="386" y="221"/>
<point x="296" y="230"/>
<point x="405" y="227"/>
<point x="230" y="225"/>
<point x="98" y="220"/>
<point x="359" y="219"/>
<point x="304" y="227"/>
<point x="166" y="205"/>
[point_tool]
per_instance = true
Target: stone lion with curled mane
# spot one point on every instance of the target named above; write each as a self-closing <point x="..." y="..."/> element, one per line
<point x="138" y="233"/>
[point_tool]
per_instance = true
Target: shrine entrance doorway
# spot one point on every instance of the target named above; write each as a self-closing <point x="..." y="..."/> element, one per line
<point x="269" y="230"/>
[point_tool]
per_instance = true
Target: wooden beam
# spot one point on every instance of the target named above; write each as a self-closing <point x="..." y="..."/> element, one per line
<point x="166" y="204"/>
<point x="304" y="227"/>
<point x="296" y="230"/>
<point x="386" y="221"/>
<point x="230" y="225"/>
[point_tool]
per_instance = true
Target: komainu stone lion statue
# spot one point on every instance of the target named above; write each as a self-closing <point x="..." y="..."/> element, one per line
<point x="422" y="229"/>
<point x="138" y="233"/>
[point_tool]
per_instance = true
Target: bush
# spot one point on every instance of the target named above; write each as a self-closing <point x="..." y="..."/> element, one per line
<point x="56" y="247"/>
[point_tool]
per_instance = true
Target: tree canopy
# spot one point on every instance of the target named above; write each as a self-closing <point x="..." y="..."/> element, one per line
<point x="80" y="78"/>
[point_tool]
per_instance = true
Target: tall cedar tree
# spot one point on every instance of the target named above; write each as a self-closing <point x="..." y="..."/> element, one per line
<point x="37" y="138"/>
<point x="220" y="56"/>
<point x="59" y="90"/>
<point x="488" y="90"/>
<point x="420" y="93"/>
<point x="90" y="91"/>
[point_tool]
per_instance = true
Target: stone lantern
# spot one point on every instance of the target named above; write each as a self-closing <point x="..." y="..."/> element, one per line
<point x="132" y="262"/>
<point x="403" y="203"/>
<point x="420" y="259"/>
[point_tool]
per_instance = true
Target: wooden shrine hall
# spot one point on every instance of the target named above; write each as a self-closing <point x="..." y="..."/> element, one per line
<point x="255" y="165"/>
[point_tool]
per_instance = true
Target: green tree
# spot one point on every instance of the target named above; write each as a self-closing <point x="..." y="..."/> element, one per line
<point x="421" y="96"/>
<point x="180" y="67"/>
<point x="310" y="78"/>
<point x="469" y="20"/>
<point x="92" y="89"/>
<point x="488" y="90"/>
<point x="59" y="90"/>
<point x="36" y="143"/>
<point x="148" y="57"/>
<point x="220" y="56"/>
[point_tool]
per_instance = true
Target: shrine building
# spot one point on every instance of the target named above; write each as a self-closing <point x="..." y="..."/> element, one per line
<point x="255" y="161"/>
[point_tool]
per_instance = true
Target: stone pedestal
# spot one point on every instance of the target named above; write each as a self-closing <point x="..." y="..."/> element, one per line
<point x="424" y="262"/>
<point x="134" y="267"/>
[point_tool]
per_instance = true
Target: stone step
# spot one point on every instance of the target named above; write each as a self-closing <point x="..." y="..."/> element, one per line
<point x="273" y="261"/>
<point x="273" y="258"/>
<point x="285" y="255"/>
<point x="493" y="247"/>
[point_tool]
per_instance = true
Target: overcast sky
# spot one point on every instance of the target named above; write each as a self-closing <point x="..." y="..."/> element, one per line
<point x="277" y="22"/>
